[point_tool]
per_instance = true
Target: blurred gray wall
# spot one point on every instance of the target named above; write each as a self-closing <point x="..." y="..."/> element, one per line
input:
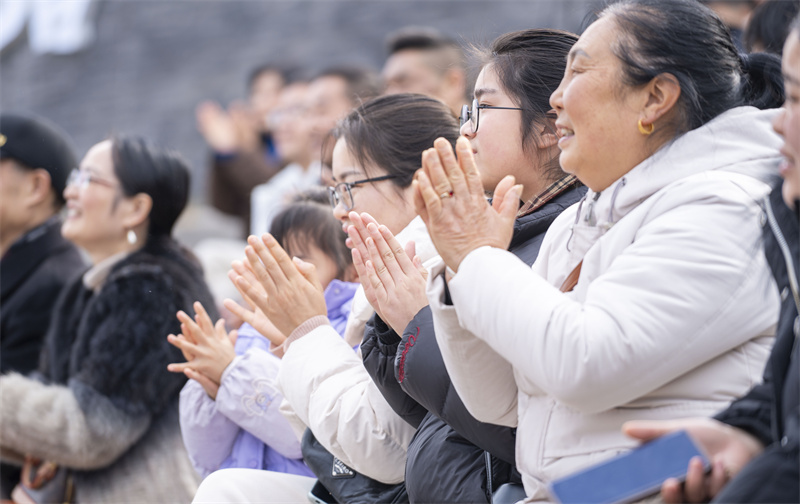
<point x="153" y="61"/>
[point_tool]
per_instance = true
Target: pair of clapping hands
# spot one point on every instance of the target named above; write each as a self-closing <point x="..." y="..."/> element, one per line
<point x="281" y="293"/>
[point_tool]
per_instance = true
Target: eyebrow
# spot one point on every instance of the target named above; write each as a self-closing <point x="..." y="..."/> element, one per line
<point x="577" y="52"/>
<point x="484" y="91"/>
<point x="347" y="174"/>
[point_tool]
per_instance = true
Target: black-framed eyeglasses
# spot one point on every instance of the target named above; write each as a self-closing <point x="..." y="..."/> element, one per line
<point x="340" y="193"/>
<point x="472" y="115"/>
<point x="82" y="178"/>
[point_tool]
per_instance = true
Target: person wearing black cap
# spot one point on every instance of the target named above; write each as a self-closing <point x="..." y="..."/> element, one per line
<point x="36" y="262"/>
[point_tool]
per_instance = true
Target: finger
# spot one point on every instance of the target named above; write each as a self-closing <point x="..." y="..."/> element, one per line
<point x="419" y="201"/>
<point x="376" y="260"/>
<point x="238" y="310"/>
<point x="467" y="161"/>
<point x="189" y="327"/>
<point x="452" y="165"/>
<point x="256" y="295"/>
<point x="363" y="278"/>
<point x="308" y="271"/>
<point x="178" y="367"/>
<point x="718" y="478"/>
<point x="367" y="219"/>
<point x="243" y="268"/>
<point x="672" y="491"/>
<point x="233" y="336"/>
<point x="203" y="320"/>
<point x="506" y="196"/>
<point x="263" y="278"/>
<point x="401" y="256"/>
<point x="418" y="264"/>
<point x="695" y="486"/>
<point x="233" y="276"/>
<point x="430" y="198"/>
<point x="433" y="164"/>
<point x="182" y="343"/>
<point x="358" y="233"/>
<point x="387" y="253"/>
<point x="646" y="430"/>
<point x="375" y="282"/>
<point x="206" y="382"/>
<point x="282" y="260"/>
<point x="186" y="355"/>
<point x="221" y="332"/>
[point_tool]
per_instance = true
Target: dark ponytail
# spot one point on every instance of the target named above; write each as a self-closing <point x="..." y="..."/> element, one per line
<point x="762" y="83"/>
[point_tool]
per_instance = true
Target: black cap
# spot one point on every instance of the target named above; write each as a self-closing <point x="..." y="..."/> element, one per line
<point x="37" y="143"/>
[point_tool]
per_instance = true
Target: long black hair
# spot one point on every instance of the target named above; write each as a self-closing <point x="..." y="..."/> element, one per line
<point x="161" y="174"/>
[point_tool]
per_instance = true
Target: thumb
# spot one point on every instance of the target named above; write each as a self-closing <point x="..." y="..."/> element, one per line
<point x="411" y="248"/>
<point x="308" y="271"/>
<point x="645" y="430"/>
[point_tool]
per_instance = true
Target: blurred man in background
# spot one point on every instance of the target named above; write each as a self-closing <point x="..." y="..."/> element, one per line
<point x="332" y="94"/>
<point x="422" y="60"/>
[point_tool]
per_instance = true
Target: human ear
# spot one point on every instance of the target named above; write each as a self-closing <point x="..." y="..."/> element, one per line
<point x="138" y="209"/>
<point x="663" y="92"/>
<point x="38" y="187"/>
<point x="547" y="131"/>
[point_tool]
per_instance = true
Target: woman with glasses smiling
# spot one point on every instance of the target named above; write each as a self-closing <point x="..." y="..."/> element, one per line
<point x="103" y="406"/>
<point x="325" y="385"/>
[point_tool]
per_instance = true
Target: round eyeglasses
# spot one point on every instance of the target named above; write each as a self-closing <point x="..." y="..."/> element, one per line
<point x="82" y="178"/>
<point x="340" y="193"/>
<point x="472" y="114"/>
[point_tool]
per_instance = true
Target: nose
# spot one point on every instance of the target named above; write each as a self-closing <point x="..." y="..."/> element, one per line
<point x="71" y="191"/>
<point x="340" y="212"/>
<point x="466" y="129"/>
<point x="556" y="99"/>
<point x="777" y="123"/>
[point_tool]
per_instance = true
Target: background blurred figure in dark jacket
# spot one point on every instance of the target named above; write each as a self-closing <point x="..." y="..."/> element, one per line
<point x="35" y="159"/>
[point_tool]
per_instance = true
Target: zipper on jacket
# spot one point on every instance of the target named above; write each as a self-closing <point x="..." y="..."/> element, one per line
<point x="787" y="258"/>
<point x="489" y="474"/>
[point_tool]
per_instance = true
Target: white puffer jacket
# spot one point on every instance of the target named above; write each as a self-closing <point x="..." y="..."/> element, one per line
<point x="672" y="316"/>
<point x="326" y="388"/>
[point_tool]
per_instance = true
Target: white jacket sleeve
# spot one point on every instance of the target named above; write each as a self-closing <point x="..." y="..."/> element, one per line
<point x="207" y="434"/>
<point x="327" y="387"/>
<point x="490" y="397"/>
<point x="249" y="397"/>
<point x="669" y="302"/>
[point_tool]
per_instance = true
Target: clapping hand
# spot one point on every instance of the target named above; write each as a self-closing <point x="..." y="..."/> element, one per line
<point x="393" y="282"/>
<point x="286" y="290"/>
<point x="253" y="315"/>
<point x="208" y="348"/>
<point x="450" y="199"/>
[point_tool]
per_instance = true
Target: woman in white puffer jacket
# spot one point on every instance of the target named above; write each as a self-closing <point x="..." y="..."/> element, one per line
<point x="651" y="298"/>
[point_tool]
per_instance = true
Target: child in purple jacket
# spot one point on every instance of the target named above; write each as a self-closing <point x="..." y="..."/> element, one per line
<point x="242" y="427"/>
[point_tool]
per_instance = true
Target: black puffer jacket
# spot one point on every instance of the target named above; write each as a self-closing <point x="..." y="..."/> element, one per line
<point x="771" y="410"/>
<point x="451" y="453"/>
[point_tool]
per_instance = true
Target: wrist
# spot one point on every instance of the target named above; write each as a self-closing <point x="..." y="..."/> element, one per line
<point x="305" y="328"/>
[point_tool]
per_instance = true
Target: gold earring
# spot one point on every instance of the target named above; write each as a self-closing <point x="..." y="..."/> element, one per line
<point x="644" y="131"/>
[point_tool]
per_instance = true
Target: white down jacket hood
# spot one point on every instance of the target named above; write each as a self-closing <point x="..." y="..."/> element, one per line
<point x="672" y="316"/>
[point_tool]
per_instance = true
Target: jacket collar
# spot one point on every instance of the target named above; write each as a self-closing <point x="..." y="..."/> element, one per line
<point x="740" y="140"/>
<point x="28" y="252"/>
